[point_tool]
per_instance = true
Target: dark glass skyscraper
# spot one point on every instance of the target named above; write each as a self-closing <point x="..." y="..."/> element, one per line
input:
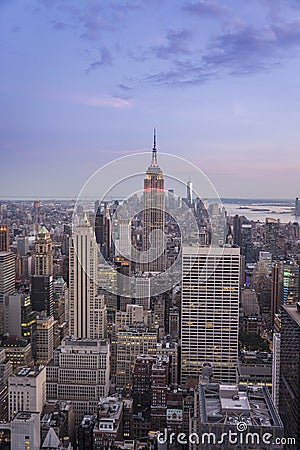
<point x="272" y="237"/>
<point x="289" y="389"/>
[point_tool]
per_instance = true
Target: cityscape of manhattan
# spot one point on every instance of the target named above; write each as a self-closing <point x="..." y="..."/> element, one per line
<point x="149" y="225"/>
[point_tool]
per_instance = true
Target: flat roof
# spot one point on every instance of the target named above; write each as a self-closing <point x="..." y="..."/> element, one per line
<point x="227" y="404"/>
<point x="293" y="312"/>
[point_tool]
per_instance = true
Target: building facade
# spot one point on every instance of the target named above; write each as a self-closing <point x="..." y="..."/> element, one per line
<point x="289" y="385"/>
<point x="79" y="372"/>
<point x="43" y="253"/>
<point x="27" y="391"/>
<point x="210" y="311"/>
<point x="83" y="314"/>
<point x="154" y="216"/>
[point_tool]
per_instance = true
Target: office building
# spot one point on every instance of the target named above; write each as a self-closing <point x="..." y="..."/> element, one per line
<point x="289" y="386"/>
<point x="141" y="394"/>
<point x="42" y="293"/>
<point x="130" y="343"/>
<point x="22" y="245"/>
<point x="154" y="216"/>
<point x="237" y="223"/>
<point x="272" y="237"/>
<point x="247" y="411"/>
<point x="291" y="283"/>
<point x="79" y="372"/>
<point x="276" y="369"/>
<point x="122" y="240"/>
<point x="28" y="266"/>
<point x="189" y="193"/>
<point x="84" y="315"/>
<point x="18" y="351"/>
<point x="43" y="253"/>
<point x="210" y="311"/>
<point x="59" y="416"/>
<point x="261" y="282"/>
<point x="174" y="323"/>
<point x="159" y="388"/>
<point x="142" y="284"/>
<point x="109" y="423"/>
<point x="7" y="274"/>
<point x="168" y="348"/>
<point x="123" y="281"/>
<point x="276" y="290"/>
<point x="23" y="432"/>
<point x="60" y="300"/>
<point x="4" y="238"/>
<point x="85" y="436"/>
<point x="5" y="373"/>
<point x="246" y="243"/>
<point x="18" y="317"/>
<point x="27" y="390"/>
<point x="44" y="338"/>
<point x="133" y="315"/>
<point x="250" y="317"/>
<point x="297" y="206"/>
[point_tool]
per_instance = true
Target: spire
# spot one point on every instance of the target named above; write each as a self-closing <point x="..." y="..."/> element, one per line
<point x="154" y="151"/>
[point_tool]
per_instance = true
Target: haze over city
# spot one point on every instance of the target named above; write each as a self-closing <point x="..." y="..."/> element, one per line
<point x="83" y="83"/>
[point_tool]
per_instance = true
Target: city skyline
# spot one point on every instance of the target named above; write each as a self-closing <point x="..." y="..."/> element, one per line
<point x="84" y="84"/>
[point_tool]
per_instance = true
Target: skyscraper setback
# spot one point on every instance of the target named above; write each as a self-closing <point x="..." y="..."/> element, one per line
<point x="4" y="238"/>
<point x="83" y="273"/>
<point x="154" y="215"/>
<point x="43" y="253"/>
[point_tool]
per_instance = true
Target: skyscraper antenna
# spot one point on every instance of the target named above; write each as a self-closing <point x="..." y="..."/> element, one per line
<point x="154" y="151"/>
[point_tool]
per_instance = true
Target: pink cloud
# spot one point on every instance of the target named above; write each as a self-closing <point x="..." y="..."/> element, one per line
<point x="90" y="100"/>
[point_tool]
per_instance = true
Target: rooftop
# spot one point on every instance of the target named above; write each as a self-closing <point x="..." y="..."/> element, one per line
<point x="293" y="311"/>
<point x="25" y="416"/>
<point x="230" y="404"/>
<point x="29" y="372"/>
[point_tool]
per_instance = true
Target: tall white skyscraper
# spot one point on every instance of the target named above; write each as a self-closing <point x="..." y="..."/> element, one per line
<point x="7" y="280"/>
<point x="210" y="311"/>
<point x="276" y="369"/>
<point x="82" y="287"/>
<point x="7" y="274"/>
<point x="189" y="192"/>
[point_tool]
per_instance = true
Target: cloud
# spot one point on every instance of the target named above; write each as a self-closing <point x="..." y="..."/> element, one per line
<point x="244" y="51"/>
<point x="106" y="59"/>
<point x="249" y="50"/>
<point x="16" y="29"/>
<point x="124" y="87"/>
<point x="89" y="100"/>
<point x="176" y="44"/>
<point x="59" y="25"/>
<point x="93" y="27"/>
<point x="207" y="9"/>
<point x="183" y="73"/>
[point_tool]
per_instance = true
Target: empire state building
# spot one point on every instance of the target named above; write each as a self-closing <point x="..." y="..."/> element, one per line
<point x="154" y="215"/>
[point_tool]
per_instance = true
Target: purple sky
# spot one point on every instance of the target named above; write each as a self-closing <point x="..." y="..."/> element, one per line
<point x="84" y="82"/>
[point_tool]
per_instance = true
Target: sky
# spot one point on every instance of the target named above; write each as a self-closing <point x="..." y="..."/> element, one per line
<point x="84" y="82"/>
